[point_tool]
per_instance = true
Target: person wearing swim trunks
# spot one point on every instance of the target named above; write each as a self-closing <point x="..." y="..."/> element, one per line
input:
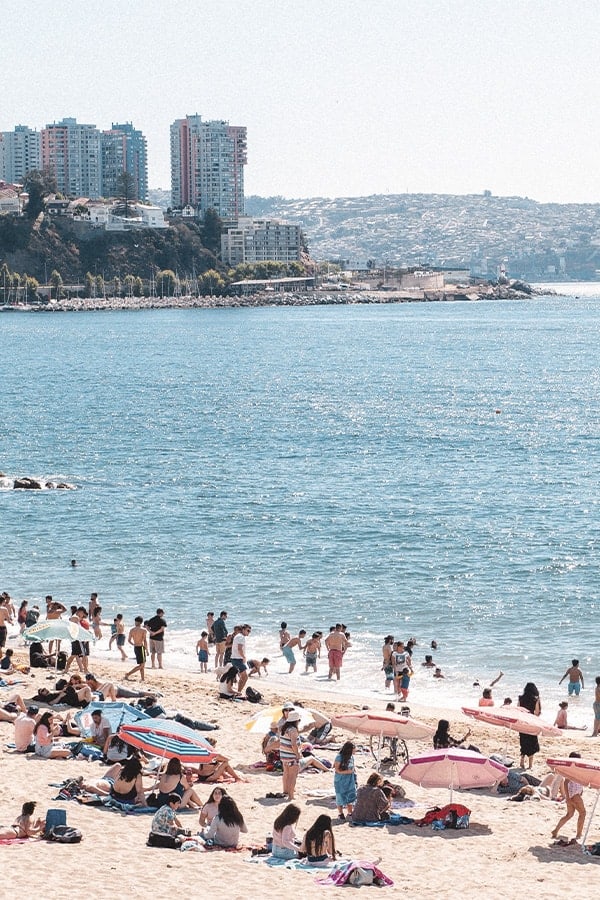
<point x="288" y="650"/>
<point x="156" y="633"/>
<point x="312" y="650"/>
<point x="575" y="678"/>
<point x="138" y="638"/>
<point x="238" y="655"/>
<point x="336" y="644"/>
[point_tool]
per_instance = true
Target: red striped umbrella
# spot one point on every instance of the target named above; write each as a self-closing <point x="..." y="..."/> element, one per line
<point x="168" y="739"/>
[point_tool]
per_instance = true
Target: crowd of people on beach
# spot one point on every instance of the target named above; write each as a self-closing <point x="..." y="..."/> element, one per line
<point x="46" y="725"/>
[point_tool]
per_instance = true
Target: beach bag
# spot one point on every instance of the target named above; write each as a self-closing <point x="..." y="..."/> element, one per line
<point x="360" y="876"/>
<point x="252" y="695"/>
<point x="31" y="618"/>
<point x="55" y="817"/>
<point x="61" y="661"/>
<point x="64" y="834"/>
<point x="163" y="840"/>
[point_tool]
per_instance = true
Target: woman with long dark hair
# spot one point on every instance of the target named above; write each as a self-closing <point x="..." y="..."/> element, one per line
<point x="44" y="741"/>
<point x="344" y="780"/>
<point x="319" y="843"/>
<point x="128" y="786"/>
<point x="443" y="739"/>
<point x="211" y="807"/>
<point x="285" y="843"/>
<point x="173" y="781"/>
<point x="225" y="828"/>
<point x="289" y="752"/>
<point x="528" y="743"/>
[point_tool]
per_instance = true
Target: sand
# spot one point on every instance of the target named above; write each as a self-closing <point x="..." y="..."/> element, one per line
<point x="507" y="852"/>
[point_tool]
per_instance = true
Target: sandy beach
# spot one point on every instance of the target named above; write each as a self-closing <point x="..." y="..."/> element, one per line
<point x="506" y="852"/>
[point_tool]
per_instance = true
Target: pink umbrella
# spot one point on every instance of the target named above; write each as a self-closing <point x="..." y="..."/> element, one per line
<point x="582" y="771"/>
<point x="516" y="718"/>
<point x="384" y="724"/>
<point x="453" y="768"/>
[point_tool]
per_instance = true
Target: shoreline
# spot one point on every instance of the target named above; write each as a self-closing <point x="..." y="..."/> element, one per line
<point x="449" y="294"/>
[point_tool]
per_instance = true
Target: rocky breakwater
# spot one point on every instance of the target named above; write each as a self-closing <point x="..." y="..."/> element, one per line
<point x="27" y="483"/>
<point x="513" y="290"/>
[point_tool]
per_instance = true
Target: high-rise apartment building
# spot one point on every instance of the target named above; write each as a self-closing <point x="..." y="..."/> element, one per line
<point x="259" y="240"/>
<point x="20" y="153"/>
<point x="207" y="166"/>
<point x="72" y="152"/>
<point x="124" y="150"/>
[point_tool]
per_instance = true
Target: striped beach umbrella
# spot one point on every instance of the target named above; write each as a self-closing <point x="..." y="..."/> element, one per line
<point x="168" y="739"/>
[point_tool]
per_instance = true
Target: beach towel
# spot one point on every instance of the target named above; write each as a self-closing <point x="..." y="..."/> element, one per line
<point x="393" y="820"/>
<point x="16" y="840"/>
<point x="344" y="874"/>
<point x="299" y="864"/>
<point x="131" y="809"/>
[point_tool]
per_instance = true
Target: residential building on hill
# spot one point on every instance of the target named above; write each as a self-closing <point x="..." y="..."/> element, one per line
<point x="72" y="152"/>
<point x="259" y="240"/>
<point x="20" y="153"/>
<point x="207" y="166"/>
<point x="124" y="149"/>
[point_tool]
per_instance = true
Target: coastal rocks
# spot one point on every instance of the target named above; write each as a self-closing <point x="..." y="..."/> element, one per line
<point x="26" y="483"/>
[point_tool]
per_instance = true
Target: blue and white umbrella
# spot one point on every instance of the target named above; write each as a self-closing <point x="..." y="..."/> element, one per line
<point x="117" y="714"/>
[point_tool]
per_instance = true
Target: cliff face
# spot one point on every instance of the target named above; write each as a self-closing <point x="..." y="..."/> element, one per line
<point x="73" y="248"/>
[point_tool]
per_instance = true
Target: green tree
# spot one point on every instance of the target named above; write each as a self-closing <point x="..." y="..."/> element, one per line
<point x="127" y="191"/>
<point x="138" y="287"/>
<point x="38" y="185"/>
<point x="100" y="287"/>
<point x="5" y="283"/>
<point x="89" y="285"/>
<point x="116" y="286"/>
<point x="56" y="283"/>
<point x="128" y="283"/>
<point x="30" y="288"/>
<point x="166" y="282"/>
<point x="212" y="226"/>
<point x="211" y="282"/>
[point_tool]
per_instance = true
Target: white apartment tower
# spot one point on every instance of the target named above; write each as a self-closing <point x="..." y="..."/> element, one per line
<point x="20" y="153"/>
<point x="207" y="166"/>
<point x="260" y="240"/>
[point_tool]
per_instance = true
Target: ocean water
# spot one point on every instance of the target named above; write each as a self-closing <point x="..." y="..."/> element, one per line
<point x="417" y="469"/>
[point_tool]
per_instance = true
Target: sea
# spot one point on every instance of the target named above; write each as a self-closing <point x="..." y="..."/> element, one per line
<point x="426" y="470"/>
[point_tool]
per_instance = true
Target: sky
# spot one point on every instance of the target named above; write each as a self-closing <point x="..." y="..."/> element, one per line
<point x="339" y="98"/>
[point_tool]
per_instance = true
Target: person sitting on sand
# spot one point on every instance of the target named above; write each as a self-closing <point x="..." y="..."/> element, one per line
<point x="270" y="746"/>
<point x="561" y="719"/>
<point x="442" y="737"/>
<point x="11" y="708"/>
<point x="372" y="804"/>
<point x="319" y="843"/>
<point x="128" y="786"/>
<point x="211" y="807"/>
<point x="44" y="741"/>
<point x="572" y="792"/>
<point x="23" y="826"/>
<point x="227" y="690"/>
<point x="24" y="726"/>
<point x="166" y="827"/>
<point x="285" y="841"/>
<point x="173" y="781"/>
<point x="100" y="731"/>
<point x="218" y="770"/>
<point x="225" y="828"/>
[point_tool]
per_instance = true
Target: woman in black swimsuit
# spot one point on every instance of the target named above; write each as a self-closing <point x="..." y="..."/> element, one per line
<point x="128" y="786"/>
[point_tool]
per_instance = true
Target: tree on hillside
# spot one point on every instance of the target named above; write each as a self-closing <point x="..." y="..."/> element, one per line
<point x="5" y="283"/>
<point x="38" y="186"/>
<point x="166" y="283"/>
<point x="212" y="226"/>
<point x="126" y="188"/>
<point x="211" y="282"/>
<point x="89" y="285"/>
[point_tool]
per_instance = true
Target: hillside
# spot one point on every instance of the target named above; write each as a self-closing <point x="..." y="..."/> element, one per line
<point x="531" y="240"/>
<point x="73" y="249"/>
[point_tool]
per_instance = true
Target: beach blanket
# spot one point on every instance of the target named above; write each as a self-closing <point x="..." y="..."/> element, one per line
<point x="300" y="864"/>
<point x="131" y="809"/>
<point x="16" y="840"/>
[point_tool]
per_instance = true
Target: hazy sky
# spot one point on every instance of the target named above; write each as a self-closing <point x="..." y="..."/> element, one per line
<point x="339" y="98"/>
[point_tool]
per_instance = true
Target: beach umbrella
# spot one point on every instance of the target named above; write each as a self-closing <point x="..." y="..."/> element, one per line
<point x="453" y="768"/>
<point x="515" y="718"/>
<point x="260" y="722"/>
<point x="117" y="714"/>
<point x="582" y="771"/>
<point x="383" y="724"/>
<point x="57" y="630"/>
<point x="168" y="739"/>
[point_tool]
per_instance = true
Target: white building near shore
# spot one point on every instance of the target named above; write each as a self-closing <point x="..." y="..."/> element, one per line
<point x="260" y="240"/>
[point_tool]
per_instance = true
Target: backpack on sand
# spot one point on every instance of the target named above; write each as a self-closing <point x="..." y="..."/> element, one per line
<point x="64" y="834"/>
<point x="252" y="695"/>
